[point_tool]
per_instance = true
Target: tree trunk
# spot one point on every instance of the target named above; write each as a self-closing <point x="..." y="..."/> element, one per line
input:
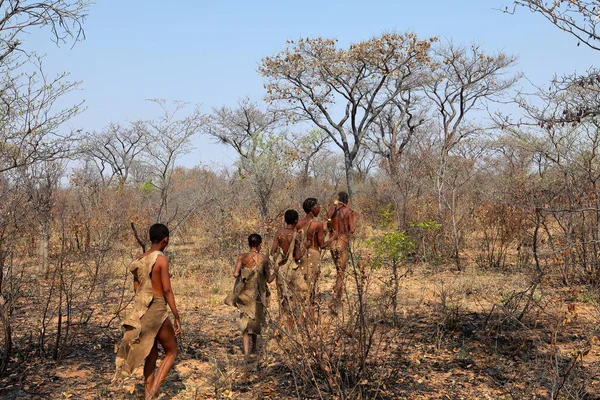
<point x="396" y="290"/>
<point x="305" y="170"/>
<point x="455" y="232"/>
<point x="441" y="174"/>
<point x="43" y="248"/>
<point x="5" y="320"/>
<point x="6" y="331"/>
<point x="349" y="165"/>
<point x="263" y="193"/>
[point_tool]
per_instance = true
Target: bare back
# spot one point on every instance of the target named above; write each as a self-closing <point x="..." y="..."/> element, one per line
<point x="342" y="221"/>
<point x="251" y="259"/>
<point x="283" y="240"/>
<point x="315" y="233"/>
<point x="161" y="266"/>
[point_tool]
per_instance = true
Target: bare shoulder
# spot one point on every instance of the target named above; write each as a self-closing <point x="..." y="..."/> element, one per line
<point x="281" y="234"/>
<point x="161" y="261"/>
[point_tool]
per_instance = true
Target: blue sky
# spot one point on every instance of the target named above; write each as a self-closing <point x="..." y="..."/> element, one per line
<point x="207" y="53"/>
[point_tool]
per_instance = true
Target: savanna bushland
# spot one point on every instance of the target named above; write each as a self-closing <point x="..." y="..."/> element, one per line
<point x="475" y="267"/>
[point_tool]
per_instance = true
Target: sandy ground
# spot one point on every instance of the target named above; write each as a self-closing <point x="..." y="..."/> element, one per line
<point x="456" y="338"/>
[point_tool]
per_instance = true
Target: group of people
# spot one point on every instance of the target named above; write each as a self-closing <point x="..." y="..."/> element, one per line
<point x="294" y="262"/>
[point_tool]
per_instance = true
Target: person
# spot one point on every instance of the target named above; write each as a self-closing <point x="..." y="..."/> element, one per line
<point x="287" y="250"/>
<point x="312" y="235"/>
<point x="148" y="323"/>
<point x="250" y="292"/>
<point x="341" y="221"/>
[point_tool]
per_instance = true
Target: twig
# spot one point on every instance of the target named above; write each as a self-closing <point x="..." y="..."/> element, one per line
<point x="137" y="237"/>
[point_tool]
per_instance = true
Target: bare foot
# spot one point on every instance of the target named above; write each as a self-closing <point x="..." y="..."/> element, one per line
<point x="147" y="386"/>
<point x="149" y="395"/>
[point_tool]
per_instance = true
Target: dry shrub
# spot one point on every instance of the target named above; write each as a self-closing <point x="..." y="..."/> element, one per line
<point x="340" y="354"/>
<point x="500" y="226"/>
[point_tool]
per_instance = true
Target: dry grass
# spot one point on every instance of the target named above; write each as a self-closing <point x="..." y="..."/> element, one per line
<point x="457" y="337"/>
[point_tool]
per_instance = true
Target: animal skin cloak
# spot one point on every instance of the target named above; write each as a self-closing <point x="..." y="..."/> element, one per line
<point x="290" y="282"/>
<point x="144" y="321"/>
<point x="251" y="293"/>
<point x="310" y="264"/>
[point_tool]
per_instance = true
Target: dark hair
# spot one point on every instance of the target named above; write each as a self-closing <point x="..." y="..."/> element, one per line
<point x="254" y="240"/>
<point x="309" y="204"/>
<point x="291" y="217"/>
<point x="158" y="232"/>
<point x="343" y="197"/>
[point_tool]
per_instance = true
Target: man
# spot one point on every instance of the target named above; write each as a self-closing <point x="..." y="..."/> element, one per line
<point x="287" y="251"/>
<point x="312" y="235"/>
<point x="341" y="223"/>
<point x="250" y="291"/>
<point x="148" y="324"/>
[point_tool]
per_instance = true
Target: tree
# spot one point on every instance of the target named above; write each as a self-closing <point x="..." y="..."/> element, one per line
<point x="343" y="91"/>
<point x="395" y="128"/>
<point x="41" y="182"/>
<point x="462" y="81"/>
<point x="28" y="123"/>
<point x="581" y="19"/>
<point x="565" y="148"/>
<point x="29" y="126"/>
<point x="14" y="212"/>
<point x="237" y="127"/>
<point x="64" y="18"/>
<point x="569" y="100"/>
<point x="306" y="146"/>
<point x="258" y="139"/>
<point x="169" y="138"/>
<point x="390" y="250"/>
<point x="115" y="150"/>
<point x="576" y="17"/>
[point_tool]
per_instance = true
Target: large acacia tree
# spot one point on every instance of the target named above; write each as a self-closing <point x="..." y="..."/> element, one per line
<point x="343" y="90"/>
<point x="463" y="82"/>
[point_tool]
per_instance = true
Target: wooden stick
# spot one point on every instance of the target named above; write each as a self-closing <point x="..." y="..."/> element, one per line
<point x="137" y="237"/>
<point x="336" y="202"/>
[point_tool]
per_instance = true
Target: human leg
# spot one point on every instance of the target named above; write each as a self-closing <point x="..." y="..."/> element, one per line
<point x="314" y="286"/>
<point x="253" y="336"/>
<point x="340" y="258"/>
<point x="166" y="338"/>
<point x="315" y="270"/>
<point x="150" y="367"/>
<point x="246" y="341"/>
